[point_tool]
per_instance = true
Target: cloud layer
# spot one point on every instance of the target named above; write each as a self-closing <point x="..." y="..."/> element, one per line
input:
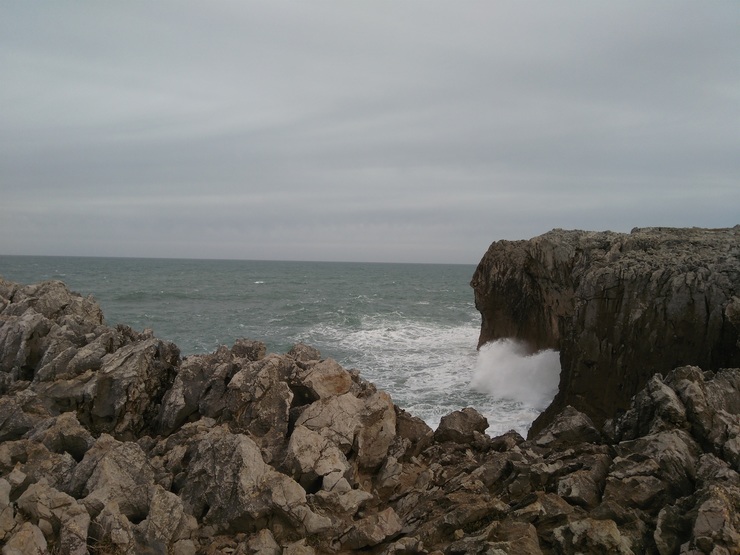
<point x="381" y="131"/>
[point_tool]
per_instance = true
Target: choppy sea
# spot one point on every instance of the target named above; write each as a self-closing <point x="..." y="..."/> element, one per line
<point x="411" y="329"/>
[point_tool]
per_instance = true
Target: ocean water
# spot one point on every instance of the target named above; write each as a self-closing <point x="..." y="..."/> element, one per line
<point x="411" y="329"/>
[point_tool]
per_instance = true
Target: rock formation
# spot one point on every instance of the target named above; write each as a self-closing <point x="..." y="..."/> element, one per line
<point x="112" y="443"/>
<point x="619" y="307"/>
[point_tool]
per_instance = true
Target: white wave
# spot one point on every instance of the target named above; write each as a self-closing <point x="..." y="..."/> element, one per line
<point x="505" y="371"/>
<point x="432" y="369"/>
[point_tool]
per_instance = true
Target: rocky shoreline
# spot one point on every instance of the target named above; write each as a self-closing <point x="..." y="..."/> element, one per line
<point x="620" y="307"/>
<point x="111" y="442"/>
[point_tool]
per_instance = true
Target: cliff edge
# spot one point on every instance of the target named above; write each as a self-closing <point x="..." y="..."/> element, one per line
<point x="619" y="307"/>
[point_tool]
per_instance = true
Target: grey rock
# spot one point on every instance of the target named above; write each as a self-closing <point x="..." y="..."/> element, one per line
<point x="459" y="426"/>
<point x="249" y="349"/>
<point x="28" y="540"/>
<point x="372" y="530"/>
<point x="325" y="379"/>
<point x="68" y="520"/>
<point x="114" y="471"/>
<point x="256" y="492"/>
<point x="619" y="307"/>
<point x="569" y="427"/>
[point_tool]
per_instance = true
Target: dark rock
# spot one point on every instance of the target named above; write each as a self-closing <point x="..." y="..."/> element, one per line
<point x="568" y="428"/>
<point x="459" y="426"/>
<point x="619" y="307"/>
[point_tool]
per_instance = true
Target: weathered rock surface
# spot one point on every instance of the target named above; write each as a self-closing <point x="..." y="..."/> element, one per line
<point x="113" y="444"/>
<point x="619" y="307"/>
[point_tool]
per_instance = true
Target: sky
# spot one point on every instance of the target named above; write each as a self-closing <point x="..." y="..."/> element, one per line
<point x="375" y="130"/>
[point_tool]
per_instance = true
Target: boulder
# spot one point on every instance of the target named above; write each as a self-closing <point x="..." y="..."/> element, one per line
<point x="372" y="530"/>
<point x="460" y="426"/>
<point x="256" y="493"/>
<point x="114" y="471"/>
<point x="27" y="540"/>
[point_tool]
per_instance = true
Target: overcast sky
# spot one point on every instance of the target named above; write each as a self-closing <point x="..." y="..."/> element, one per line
<point x="408" y="130"/>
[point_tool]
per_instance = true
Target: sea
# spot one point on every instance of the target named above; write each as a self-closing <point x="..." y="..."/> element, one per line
<point x="411" y="329"/>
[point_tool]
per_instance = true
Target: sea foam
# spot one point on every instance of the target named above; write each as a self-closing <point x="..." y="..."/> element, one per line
<point x="505" y="370"/>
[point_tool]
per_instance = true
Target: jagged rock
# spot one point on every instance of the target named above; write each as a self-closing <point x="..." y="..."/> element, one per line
<point x="243" y="452"/>
<point x="63" y="434"/>
<point x="619" y="307"/>
<point x="338" y="497"/>
<point x="249" y="349"/>
<point x="112" y="531"/>
<point x="256" y="493"/>
<point x="372" y="530"/>
<point x="304" y="353"/>
<point x="414" y="430"/>
<point x="312" y="456"/>
<point x="712" y="408"/>
<point x="28" y="540"/>
<point x="569" y="427"/>
<point x="325" y="379"/>
<point x="263" y="543"/>
<point x="114" y="471"/>
<point x="592" y="536"/>
<point x="166" y="522"/>
<point x="200" y="379"/>
<point x="367" y="425"/>
<point x="460" y="426"/>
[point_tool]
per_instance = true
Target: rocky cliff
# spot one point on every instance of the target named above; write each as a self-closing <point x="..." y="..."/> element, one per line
<point x="619" y="307"/>
<point x="110" y="442"/>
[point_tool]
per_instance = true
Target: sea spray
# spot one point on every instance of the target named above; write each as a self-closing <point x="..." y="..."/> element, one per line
<point x="505" y="370"/>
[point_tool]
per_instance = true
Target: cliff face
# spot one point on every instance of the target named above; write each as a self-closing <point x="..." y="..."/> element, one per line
<point x="619" y="307"/>
<point x="110" y="442"/>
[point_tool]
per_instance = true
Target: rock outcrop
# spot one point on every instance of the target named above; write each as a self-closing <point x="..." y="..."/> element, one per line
<point x="111" y="443"/>
<point x="619" y="307"/>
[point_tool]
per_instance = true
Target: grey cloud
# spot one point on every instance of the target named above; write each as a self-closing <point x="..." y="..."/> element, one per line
<point x="415" y="131"/>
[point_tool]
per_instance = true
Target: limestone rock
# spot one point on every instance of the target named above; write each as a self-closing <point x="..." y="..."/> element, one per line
<point x="569" y="427"/>
<point x="28" y="540"/>
<point x="459" y="426"/>
<point x="325" y="379"/>
<point x="312" y="456"/>
<point x="114" y="471"/>
<point x="59" y="513"/>
<point x="619" y="307"/>
<point x="256" y="492"/>
<point x="112" y="443"/>
<point x="372" y="530"/>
